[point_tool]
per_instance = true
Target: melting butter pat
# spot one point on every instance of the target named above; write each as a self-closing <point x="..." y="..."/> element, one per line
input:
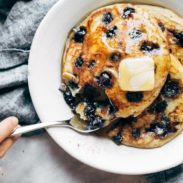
<point x="137" y="74"/>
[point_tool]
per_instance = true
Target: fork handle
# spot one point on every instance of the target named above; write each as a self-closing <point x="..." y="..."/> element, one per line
<point x="30" y="128"/>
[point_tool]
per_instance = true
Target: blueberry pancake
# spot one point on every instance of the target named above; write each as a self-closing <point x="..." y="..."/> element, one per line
<point x="98" y="53"/>
<point x="159" y="123"/>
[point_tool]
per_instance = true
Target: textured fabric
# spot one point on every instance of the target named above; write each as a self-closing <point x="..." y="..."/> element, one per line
<point x="18" y="23"/>
<point x="174" y="175"/>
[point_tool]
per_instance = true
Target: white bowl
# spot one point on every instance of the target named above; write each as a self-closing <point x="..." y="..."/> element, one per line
<point x="44" y="81"/>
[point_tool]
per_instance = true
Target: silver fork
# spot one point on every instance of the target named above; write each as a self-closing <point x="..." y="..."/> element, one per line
<point x="74" y="123"/>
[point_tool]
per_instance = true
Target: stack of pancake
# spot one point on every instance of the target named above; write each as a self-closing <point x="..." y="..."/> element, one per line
<point x="91" y="73"/>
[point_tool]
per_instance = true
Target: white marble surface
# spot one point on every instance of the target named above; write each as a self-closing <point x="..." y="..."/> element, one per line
<point x="39" y="159"/>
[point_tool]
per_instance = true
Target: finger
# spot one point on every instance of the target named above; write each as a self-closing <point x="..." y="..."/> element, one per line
<point x="7" y="127"/>
<point x="6" y="144"/>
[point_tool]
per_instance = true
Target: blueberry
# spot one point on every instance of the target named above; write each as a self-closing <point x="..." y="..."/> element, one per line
<point x="112" y="32"/>
<point x="156" y="128"/>
<point x="128" y="11"/>
<point x="171" y="89"/>
<point x="134" y="96"/>
<point x="78" y="98"/>
<point x="136" y="132"/>
<point x="148" y="46"/>
<point x="73" y="85"/>
<point x="117" y="139"/>
<point x="158" y="107"/>
<point x="89" y="109"/>
<point x="91" y="64"/>
<point x="95" y="122"/>
<point x="151" y="127"/>
<point x="90" y="118"/>
<point x="115" y="57"/>
<point x="90" y="92"/>
<point x="162" y="127"/>
<point x="79" y="34"/>
<point x="68" y="97"/>
<point x="165" y="121"/>
<point x="179" y="37"/>
<point x="79" y="62"/>
<point x="161" y="25"/>
<point x="159" y="130"/>
<point x="107" y="18"/>
<point x="135" y="34"/>
<point x="105" y="80"/>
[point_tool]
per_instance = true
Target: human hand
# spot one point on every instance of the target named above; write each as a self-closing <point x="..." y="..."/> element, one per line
<point x="7" y="127"/>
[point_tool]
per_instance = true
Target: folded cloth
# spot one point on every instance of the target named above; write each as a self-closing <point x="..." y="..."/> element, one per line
<point x="174" y="175"/>
<point x="18" y="23"/>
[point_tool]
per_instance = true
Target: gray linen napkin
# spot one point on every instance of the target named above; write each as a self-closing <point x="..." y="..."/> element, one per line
<point x="18" y="23"/>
